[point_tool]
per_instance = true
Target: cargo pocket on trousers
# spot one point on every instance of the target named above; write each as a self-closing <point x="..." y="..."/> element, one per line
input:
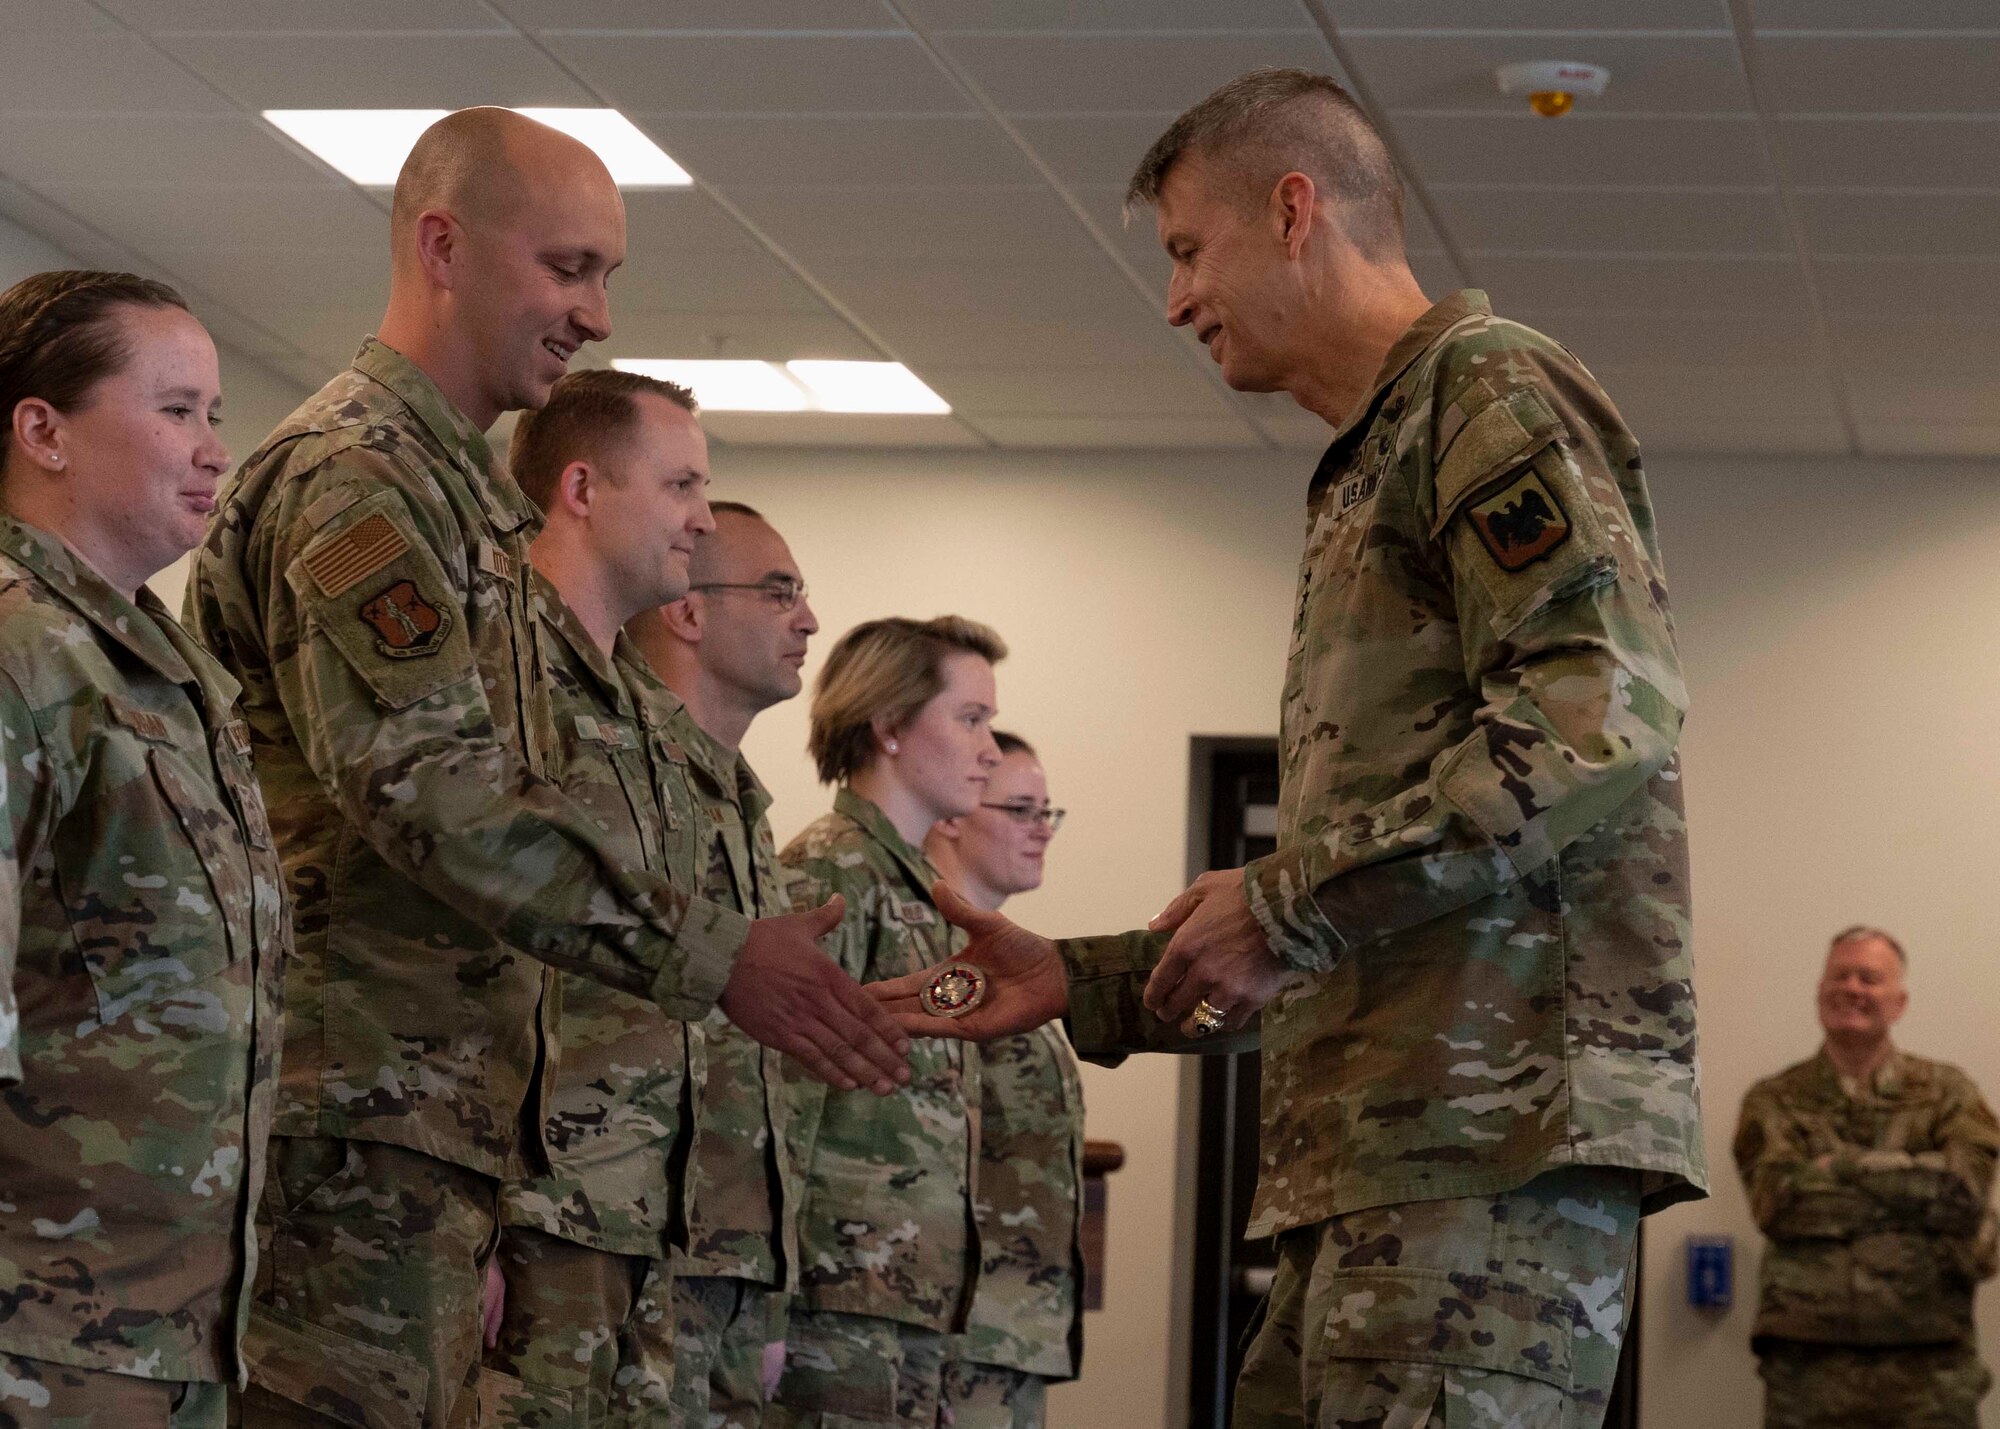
<point x="860" y="1391"/>
<point x="509" y="1403"/>
<point x="348" y="1380"/>
<point x="1430" y="1317"/>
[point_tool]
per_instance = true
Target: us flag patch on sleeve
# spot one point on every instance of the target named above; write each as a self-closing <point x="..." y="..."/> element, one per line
<point x="355" y="554"/>
<point x="1521" y="523"/>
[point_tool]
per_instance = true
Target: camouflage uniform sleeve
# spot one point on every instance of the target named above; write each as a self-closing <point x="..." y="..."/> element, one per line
<point x="18" y="750"/>
<point x="1107" y="1020"/>
<point x="1571" y="653"/>
<point x="406" y="745"/>
<point x="1790" y="1197"/>
<point x="1946" y="1190"/>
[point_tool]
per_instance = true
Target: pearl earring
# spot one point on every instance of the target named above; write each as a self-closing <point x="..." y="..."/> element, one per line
<point x="892" y="747"/>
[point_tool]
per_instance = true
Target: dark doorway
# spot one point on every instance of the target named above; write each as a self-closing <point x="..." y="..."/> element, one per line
<point x="1232" y="819"/>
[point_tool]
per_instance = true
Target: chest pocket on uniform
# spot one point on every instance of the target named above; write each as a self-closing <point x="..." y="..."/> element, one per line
<point x="175" y="906"/>
<point x="625" y="805"/>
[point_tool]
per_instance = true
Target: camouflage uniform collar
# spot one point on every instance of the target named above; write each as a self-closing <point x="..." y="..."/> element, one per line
<point x="1886" y="1082"/>
<point x="564" y="625"/>
<point x="504" y="501"/>
<point x="726" y="769"/>
<point x="876" y="825"/>
<point x="143" y="626"/>
<point x="1439" y="319"/>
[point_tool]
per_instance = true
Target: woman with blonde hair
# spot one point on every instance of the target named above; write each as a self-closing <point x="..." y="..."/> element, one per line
<point x="902" y="725"/>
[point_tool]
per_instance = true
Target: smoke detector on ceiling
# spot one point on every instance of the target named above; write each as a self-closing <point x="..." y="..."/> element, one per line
<point x="1551" y="86"/>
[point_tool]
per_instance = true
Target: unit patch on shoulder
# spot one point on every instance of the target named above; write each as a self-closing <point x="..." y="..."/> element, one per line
<point x="1520" y="523"/>
<point x="355" y="554"/>
<point x="406" y="624"/>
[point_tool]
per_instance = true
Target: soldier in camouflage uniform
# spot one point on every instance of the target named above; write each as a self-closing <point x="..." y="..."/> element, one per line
<point x="367" y="582"/>
<point x="1025" y="1328"/>
<point x="1470" y="949"/>
<point x="618" y="464"/>
<point x="731" y="649"/>
<point x="1869" y="1169"/>
<point x="888" y="1248"/>
<point x="143" y="927"/>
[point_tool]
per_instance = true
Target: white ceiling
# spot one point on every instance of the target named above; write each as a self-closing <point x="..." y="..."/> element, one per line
<point x="1776" y="232"/>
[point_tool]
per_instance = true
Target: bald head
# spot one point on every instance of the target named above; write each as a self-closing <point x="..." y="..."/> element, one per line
<point x="484" y="164"/>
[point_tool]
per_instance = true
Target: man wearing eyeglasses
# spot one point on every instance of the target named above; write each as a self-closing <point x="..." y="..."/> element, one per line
<point x="1025" y="1326"/>
<point x="732" y="648"/>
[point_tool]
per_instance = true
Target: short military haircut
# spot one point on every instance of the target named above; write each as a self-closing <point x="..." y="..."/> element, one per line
<point x="59" y="335"/>
<point x="589" y="415"/>
<point x="1013" y="743"/>
<point x="736" y="508"/>
<point x="1263" y="125"/>
<point x="887" y="670"/>
<point x="1862" y="933"/>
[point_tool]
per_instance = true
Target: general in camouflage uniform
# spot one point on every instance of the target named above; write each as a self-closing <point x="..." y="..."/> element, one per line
<point x="1471" y="945"/>
<point x="142" y="943"/>
<point x="1873" y="1189"/>
<point x="888" y="1252"/>
<point x="366" y="579"/>
<point x="742" y="1187"/>
<point x="583" y="1248"/>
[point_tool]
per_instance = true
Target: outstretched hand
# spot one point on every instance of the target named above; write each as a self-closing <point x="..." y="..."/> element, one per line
<point x="788" y="994"/>
<point x="1218" y="954"/>
<point x="1025" y="981"/>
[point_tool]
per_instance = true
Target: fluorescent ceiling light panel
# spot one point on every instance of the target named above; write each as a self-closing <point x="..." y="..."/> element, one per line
<point x="735" y="385"/>
<point x="725" y="385"/>
<point x="369" y="145"/>
<point x="866" y="387"/>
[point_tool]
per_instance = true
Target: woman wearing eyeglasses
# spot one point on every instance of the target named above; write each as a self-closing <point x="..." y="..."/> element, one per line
<point x="901" y="723"/>
<point x="1025" y="1327"/>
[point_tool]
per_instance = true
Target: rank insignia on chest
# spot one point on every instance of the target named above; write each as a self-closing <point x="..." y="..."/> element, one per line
<point x="406" y="624"/>
<point x="1520" y="523"/>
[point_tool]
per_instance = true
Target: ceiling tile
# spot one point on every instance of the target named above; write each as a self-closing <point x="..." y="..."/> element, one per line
<point x="1585" y="150"/>
<point x="1105" y="14"/>
<point x="1649" y="73"/>
<point x="323" y="329"/>
<point x="1886" y="439"/>
<point x="274" y="16"/>
<point x="737" y="15"/>
<point x="1613" y="220"/>
<point x="661" y="224"/>
<point x="826" y="429"/>
<point x="1137" y="238"/>
<point x="1897" y="342"/>
<point x="966" y="223"/>
<point x="1872" y="15"/>
<point x="111" y="149"/>
<point x="1087" y="293"/>
<point x="261" y="279"/>
<point x="1436" y="273"/>
<point x="1879" y="224"/>
<point x="1877" y="74"/>
<point x="1891" y="153"/>
<point x="1530" y="15"/>
<point x="39" y="17"/>
<point x="1642" y="285"/>
<point x="1695" y="434"/>
<point x="235" y="332"/>
<point x="714" y="331"/>
<point x="378" y="71"/>
<point x="1060" y="74"/>
<point x="937" y="152"/>
<point x="1012" y="340"/>
<point x="116" y="73"/>
<point x="1656" y="339"/>
<point x="1148" y="389"/>
<point x="186" y="216"/>
<point x="1284" y="421"/>
<point x="1891" y="287"/>
<point x="1095" y="149"/>
<point x="763" y="74"/>
<point x="1968" y="397"/>
<point x="1214" y="433"/>
<point x="1677" y="397"/>
<point x="745" y="281"/>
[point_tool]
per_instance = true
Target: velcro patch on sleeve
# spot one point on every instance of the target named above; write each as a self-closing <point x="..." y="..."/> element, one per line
<point x="1521" y="523"/>
<point x="340" y="562"/>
